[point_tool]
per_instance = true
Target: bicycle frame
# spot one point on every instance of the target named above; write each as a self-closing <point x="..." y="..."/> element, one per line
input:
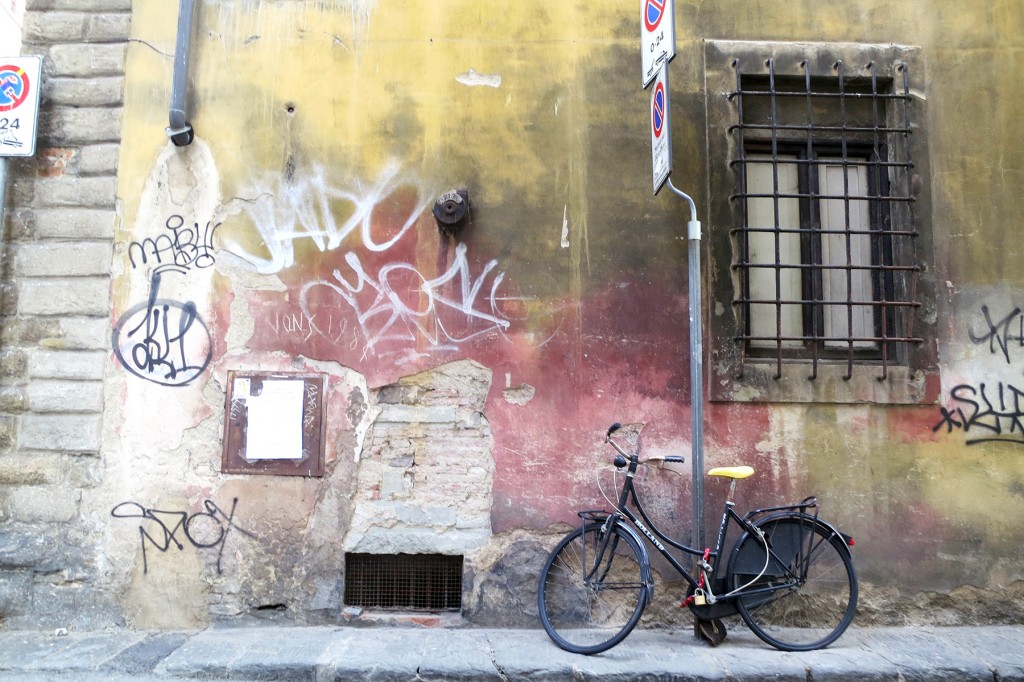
<point x="780" y="551"/>
<point x="656" y="537"/>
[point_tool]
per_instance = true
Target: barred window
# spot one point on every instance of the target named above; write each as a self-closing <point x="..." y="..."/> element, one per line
<point x="822" y="222"/>
<point x="823" y="270"/>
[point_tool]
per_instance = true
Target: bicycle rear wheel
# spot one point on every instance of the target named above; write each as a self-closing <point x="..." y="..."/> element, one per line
<point x="592" y="589"/>
<point x="803" y="590"/>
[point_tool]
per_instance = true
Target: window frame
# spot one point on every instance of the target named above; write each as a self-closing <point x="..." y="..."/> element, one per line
<point x="814" y="304"/>
<point x="907" y="373"/>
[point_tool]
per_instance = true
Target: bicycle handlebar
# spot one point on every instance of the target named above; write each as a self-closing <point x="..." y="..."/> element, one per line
<point x="672" y="459"/>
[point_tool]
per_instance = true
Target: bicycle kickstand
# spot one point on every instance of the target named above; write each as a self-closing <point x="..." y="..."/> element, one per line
<point x="711" y="630"/>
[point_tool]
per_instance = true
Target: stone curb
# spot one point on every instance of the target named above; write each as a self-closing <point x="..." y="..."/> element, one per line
<point x="274" y="652"/>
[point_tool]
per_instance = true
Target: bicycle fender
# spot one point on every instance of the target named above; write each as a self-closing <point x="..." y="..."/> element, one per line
<point x="645" y="558"/>
<point x="804" y="518"/>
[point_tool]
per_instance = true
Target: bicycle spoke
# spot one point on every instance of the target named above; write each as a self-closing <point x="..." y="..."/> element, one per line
<point x="590" y="615"/>
<point x="807" y="596"/>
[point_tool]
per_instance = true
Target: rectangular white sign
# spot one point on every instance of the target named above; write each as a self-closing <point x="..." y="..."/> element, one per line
<point x="661" y="129"/>
<point x="274" y="428"/>
<point x="19" y="104"/>
<point x="657" y="36"/>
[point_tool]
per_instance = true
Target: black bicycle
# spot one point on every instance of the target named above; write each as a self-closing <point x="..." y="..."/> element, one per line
<point x="789" y="574"/>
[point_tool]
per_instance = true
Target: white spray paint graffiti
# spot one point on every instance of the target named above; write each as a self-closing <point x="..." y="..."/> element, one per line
<point x="285" y="212"/>
<point x="382" y="315"/>
<point x="449" y="309"/>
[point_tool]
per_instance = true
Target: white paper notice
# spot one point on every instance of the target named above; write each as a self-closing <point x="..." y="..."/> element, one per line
<point x="275" y="421"/>
<point x="241" y="390"/>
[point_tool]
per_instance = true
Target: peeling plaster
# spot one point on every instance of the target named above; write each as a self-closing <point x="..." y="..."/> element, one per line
<point x="472" y="78"/>
<point x="424" y="483"/>
<point x="181" y="182"/>
<point x="519" y="395"/>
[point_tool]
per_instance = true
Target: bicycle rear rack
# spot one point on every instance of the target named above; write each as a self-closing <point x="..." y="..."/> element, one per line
<point x="802" y="506"/>
<point x="592" y="516"/>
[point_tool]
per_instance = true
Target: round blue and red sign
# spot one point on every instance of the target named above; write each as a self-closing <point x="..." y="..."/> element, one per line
<point x="654" y="10"/>
<point x="14" y="86"/>
<point x="658" y="109"/>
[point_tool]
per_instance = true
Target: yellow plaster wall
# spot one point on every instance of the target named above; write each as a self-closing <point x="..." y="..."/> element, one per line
<point x="374" y="92"/>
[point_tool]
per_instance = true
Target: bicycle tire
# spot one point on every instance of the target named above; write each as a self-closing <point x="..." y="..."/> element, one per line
<point x="590" y="616"/>
<point x="799" y="615"/>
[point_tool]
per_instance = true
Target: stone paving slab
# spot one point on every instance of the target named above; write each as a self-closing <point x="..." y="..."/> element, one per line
<point x="38" y="651"/>
<point x="421" y="655"/>
<point x="1002" y="649"/>
<point x="920" y="654"/>
<point x="254" y="653"/>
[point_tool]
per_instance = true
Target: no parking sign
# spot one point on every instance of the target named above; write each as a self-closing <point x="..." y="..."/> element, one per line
<point x="661" y="130"/>
<point x="19" y="104"/>
<point x="657" y="36"/>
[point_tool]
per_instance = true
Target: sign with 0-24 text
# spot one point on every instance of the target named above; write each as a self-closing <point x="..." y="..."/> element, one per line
<point x="661" y="129"/>
<point x="657" y="36"/>
<point x="19" y="104"/>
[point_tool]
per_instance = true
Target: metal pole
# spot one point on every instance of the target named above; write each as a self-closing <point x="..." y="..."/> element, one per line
<point x="3" y="199"/>
<point x="696" y="371"/>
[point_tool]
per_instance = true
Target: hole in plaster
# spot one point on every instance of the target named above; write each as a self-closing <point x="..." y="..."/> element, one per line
<point x="519" y="395"/>
<point x="290" y="108"/>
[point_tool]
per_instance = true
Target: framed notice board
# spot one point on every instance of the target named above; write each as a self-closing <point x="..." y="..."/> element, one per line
<point x="274" y="424"/>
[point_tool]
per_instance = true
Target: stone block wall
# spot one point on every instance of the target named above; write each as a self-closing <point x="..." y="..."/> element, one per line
<point x="61" y="210"/>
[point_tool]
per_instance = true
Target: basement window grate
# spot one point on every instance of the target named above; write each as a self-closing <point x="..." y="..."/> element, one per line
<point x="404" y="582"/>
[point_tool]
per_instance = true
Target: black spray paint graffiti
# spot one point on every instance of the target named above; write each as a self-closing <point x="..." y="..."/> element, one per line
<point x="997" y="412"/>
<point x="204" y="529"/>
<point x="1001" y="333"/>
<point x="184" y="247"/>
<point x="162" y="340"/>
<point x="1000" y="420"/>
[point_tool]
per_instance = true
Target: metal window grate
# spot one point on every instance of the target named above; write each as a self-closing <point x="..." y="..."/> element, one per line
<point x="408" y="582"/>
<point x="842" y="291"/>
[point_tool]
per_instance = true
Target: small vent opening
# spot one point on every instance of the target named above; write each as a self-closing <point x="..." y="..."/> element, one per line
<point x="404" y="582"/>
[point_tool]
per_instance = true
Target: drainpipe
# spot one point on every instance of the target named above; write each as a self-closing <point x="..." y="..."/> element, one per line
<point x="180" y="130"/>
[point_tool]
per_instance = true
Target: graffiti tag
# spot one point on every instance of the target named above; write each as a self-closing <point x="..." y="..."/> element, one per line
<point x="162" y="340"/>
<point x="184" y="246"/>
<point x="303" y="208"/>
<point x="160" y="528"/>
<point x="997" y="413"/>
<point x="383" y="314"/>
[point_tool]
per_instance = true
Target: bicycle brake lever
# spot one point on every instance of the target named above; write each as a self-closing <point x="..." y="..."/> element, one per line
<point x="612" y="429"/>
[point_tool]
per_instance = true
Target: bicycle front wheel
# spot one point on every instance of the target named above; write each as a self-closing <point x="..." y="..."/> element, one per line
<point x="592" y="590"/>
<point x="800" y="593"/>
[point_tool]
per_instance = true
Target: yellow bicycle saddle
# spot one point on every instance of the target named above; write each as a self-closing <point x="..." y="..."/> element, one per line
<point x="732" y="472"/>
